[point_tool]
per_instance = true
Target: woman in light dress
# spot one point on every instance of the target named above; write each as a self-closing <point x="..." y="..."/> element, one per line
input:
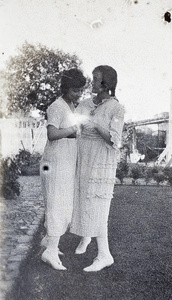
<point x="58" y="164"/>
<point x="98" y="149"/>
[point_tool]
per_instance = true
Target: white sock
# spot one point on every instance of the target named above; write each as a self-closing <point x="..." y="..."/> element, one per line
<point x="103" y="246"/>
<point x="83" y="245"/>
<point x="85" y="240"/>
<point x="53" y="242"/>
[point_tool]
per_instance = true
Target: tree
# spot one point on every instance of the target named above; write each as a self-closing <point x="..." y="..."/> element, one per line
<point x="149" y="144"/>
<point x="32" y="78"/>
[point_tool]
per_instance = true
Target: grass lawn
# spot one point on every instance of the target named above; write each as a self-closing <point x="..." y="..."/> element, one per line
<point x="140" y="237"/>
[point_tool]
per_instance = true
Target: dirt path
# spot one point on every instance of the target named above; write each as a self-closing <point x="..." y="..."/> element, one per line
<point x="19" y="220"/>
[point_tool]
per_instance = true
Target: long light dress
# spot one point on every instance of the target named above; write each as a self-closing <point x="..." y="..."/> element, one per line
<point x="57" y="170"/>
<point x="96" y="168"/>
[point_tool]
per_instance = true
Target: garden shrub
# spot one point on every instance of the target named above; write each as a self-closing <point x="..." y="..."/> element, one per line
<point x="136" y="172"/>
<point x="9" y="174"/>
<point x="155" y="170"/>
<point x="159" y="177"/>
<point x="148" y="174"/>
<point x="122" y="170"/>
<point x="24" y="163"/>
<point x="158" y="174"/>
<point x="28" y="163"/>
<point x="168" y="174"/>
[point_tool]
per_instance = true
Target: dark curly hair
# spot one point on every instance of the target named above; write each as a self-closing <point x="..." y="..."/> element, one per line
<point x="109" y="77"/>
<point x="72" y="78"/>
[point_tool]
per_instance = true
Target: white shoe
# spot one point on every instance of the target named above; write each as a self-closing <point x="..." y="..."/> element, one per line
<point x="82" y="247"/>
<point x="44" y="243"/>
<point x="99" y="264"/>
<point x="49" y="257"/>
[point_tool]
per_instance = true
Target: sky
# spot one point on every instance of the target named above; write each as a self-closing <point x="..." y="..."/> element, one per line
<point x="130" y="36"/>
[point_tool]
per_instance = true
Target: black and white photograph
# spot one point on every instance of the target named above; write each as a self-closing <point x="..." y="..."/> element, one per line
<point x="85" y="150"/>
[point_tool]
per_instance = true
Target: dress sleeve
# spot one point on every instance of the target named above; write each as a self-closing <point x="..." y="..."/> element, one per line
<point x="54" y="115"/>
<point x="116" y="126"/>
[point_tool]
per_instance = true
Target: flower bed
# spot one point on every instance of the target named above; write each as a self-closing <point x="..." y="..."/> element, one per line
<point x="141" y="174"/>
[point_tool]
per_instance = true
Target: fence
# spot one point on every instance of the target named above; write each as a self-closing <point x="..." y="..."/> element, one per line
<point x="16" y="134"/>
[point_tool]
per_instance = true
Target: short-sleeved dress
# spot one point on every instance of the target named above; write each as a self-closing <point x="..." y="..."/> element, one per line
<point x="96" y="168"/>
<point x="57" y="170"/>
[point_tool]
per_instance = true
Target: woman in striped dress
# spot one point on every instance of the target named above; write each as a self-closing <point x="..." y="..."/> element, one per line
<point x="98" y="149"/>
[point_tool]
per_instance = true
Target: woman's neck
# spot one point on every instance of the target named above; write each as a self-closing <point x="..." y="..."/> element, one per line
<point x="101" y="96"/>
<point x="68" y="101"/>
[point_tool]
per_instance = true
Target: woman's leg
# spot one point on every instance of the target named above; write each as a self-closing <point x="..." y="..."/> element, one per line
<point x="103" y="247"/>
<point x="104" y="257"/>
<point x="51" y="256"/>
<point x="82" y="247"/>
<point x="44" y="243"/>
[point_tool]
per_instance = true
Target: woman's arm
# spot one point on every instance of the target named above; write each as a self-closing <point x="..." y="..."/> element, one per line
<point x="56" y="134"/>
<point x="104" y="134"/>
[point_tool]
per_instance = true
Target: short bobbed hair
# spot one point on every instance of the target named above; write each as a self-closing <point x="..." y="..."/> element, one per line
<point x="72" y="78"/>
<point x="109" y="77"/>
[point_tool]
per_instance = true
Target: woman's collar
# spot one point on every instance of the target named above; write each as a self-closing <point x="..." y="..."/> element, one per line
<point x="92" y="104"/>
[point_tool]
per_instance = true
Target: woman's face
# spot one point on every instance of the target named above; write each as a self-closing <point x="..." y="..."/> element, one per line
<point x="97" y="82"/>
<point x="74" y="94"/>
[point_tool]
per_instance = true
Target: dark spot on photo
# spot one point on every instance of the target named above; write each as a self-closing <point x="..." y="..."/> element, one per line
<point x="167" y="17"/>
<point x="45" y="168"/>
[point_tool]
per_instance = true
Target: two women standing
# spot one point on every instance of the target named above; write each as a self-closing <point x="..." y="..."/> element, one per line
<point x="98" y="149"/>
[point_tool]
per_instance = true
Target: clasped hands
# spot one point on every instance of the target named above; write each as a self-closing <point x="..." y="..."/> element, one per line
<point x="84" y="122"/>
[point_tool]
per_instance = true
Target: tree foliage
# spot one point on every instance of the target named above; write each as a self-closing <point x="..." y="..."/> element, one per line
<point x="151" y="145"/>
<point x="32" y="78"/>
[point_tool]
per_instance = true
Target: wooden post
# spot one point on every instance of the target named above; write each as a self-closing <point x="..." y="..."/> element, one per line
<point x="134" y="138"/>
<point x="169" y="154"/>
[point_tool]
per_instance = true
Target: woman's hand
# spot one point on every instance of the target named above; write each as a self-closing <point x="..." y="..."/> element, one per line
<point x="81" y="119"/>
